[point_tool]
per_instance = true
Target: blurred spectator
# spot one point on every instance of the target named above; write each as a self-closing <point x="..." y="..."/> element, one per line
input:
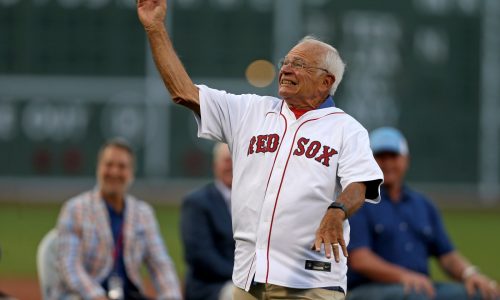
<point x="207" y="234"/>
<point x="391" y="243"/>
<point x="6" y="297"/>
<point x="104" y="235"/>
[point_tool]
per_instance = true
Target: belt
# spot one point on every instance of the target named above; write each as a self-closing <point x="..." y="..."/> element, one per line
<point x="330" y="288"/>
<point x="335" y="288"/>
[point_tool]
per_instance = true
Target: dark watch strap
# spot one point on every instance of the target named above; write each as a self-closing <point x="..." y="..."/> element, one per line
<point x="338" y="205"/>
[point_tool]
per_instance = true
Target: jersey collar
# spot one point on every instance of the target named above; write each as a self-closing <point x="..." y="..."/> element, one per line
<point x="327" y="103"/>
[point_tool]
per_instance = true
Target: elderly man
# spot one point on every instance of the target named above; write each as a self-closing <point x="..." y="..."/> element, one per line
<point x="392" y="242"/>
<point x="105" y="235"/>
<point x="207" y="233"/>
<point x="301" y="167"/>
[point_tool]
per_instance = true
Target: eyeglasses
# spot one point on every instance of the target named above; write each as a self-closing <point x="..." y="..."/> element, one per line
<point x="298" y="64"/>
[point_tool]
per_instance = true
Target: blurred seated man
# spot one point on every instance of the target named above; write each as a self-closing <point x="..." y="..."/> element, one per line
<point x="207" y="234"/>
<point x="105" y="234"/>
<point x="391" y="242"/>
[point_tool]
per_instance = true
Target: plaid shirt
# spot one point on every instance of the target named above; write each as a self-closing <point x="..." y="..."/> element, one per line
<point x="85" y="240"/>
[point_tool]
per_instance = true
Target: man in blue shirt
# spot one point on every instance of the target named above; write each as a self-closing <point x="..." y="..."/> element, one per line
<point x="392" y="242"/>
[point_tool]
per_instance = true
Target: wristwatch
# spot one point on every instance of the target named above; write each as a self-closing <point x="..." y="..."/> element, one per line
<point x="338" y="205"/>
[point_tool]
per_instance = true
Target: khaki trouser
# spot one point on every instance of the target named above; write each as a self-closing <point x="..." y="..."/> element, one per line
<point x="226" y="293"/>
<point x="262" y="291"/>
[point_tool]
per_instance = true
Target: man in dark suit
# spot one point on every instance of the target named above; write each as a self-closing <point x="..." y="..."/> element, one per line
<point x="207" y="234"/>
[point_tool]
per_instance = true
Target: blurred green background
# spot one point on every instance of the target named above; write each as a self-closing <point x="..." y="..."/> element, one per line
<point x="76" y="72"/>
<point x="22" y="226"/>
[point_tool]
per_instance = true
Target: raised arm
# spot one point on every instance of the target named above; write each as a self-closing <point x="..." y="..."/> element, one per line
<point x="183" y="91"/>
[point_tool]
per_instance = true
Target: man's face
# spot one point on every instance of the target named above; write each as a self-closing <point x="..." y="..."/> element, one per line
<point x="223" y="166"/>
<point x="114" y="172"/>
<point x="304" y="87"/>
<point x="394" y="167"/>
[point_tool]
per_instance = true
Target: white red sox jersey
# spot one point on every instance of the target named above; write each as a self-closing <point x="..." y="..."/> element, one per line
<point x="286" y="171"/>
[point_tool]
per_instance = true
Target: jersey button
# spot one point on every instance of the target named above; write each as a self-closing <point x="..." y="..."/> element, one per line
<point x="409" y="247"/>
<point x="403" y="226"/>
<point x="379" y="228"/>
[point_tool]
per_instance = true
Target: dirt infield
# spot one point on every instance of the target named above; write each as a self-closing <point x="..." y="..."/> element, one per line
<point x="28" y="288"/>
<point x="21" y="288"/>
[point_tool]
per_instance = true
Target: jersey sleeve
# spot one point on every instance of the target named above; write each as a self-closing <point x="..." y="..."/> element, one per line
<point x="357" y="164"/>
<point x="441" y="243"/>
<point x="221" y="113"/>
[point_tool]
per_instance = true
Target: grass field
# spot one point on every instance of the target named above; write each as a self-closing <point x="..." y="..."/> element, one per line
<point x="22" y="226"/>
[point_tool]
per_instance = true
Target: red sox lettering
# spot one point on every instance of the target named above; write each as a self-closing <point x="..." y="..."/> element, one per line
<point x="263" y="143"/>
<point x="313" y="149"/>
<point x="269" y="143"/>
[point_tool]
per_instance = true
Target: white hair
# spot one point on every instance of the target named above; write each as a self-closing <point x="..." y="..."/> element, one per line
<point x="331" y="61"/>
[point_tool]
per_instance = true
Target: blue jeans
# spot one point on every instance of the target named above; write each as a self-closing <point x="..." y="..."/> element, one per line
<point x="377" y="291"/>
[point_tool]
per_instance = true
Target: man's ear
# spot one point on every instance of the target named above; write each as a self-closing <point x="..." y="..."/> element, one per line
<point x="329" y="80"/>
<point x="407" y="162"/>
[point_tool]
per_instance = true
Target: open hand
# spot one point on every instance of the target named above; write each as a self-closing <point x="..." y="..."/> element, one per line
<point x="478" y="282"/>
<point x="331" y="234"/>
<point x="418" y="283"/>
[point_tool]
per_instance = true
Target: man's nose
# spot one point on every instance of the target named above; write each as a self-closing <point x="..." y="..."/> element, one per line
<point x="114" y="170"/>
<point x="286" y="69"/>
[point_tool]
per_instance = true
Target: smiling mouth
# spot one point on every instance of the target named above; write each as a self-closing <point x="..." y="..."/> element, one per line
<point x="287" y="82"/>
<point x="113" y="180"/>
